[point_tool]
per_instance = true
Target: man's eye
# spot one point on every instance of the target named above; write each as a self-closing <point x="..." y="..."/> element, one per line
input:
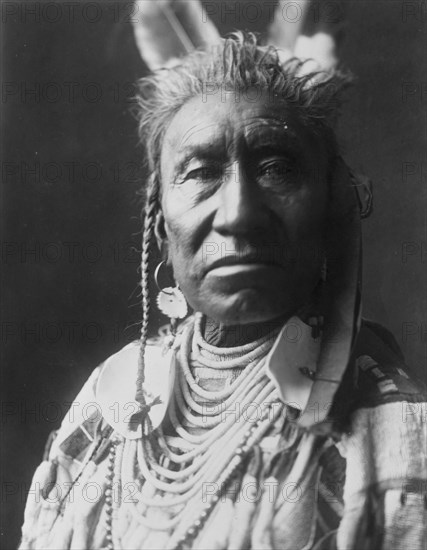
<point x="204" y="173"/>
<point x="276" y="171"/>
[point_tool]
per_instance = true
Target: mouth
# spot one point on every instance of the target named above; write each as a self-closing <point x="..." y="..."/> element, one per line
<point x="235" y="263"/>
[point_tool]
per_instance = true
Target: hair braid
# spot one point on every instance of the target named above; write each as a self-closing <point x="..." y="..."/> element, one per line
<point x="151" y="209"/>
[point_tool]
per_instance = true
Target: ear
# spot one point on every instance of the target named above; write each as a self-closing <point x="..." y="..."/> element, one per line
<point x="160" y="233"/>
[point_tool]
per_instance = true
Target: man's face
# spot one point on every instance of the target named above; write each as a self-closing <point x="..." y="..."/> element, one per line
<point x="244" y="193"/>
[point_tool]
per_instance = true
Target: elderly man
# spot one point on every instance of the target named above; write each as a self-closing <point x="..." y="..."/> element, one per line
<point x="271" y="416"/>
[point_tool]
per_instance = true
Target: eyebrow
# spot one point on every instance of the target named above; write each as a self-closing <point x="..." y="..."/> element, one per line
<point x="276" y="134"/>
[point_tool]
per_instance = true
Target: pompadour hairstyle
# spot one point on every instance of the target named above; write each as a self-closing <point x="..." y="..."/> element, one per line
<point x="236" y="65"/>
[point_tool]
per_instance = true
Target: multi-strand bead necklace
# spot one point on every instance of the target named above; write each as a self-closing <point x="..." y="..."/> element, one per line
<point x="213" y="433"/>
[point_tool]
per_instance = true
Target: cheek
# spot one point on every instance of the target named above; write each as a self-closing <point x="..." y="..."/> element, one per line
<point x="303" y="214"/>
<point x="176" y="241"/>
<point x="187" y="225"/>
<point x="182" y="249"/>
<point x="171" y="218"/>
<point x="313" y="212"/>
<point x="182" y="259"/>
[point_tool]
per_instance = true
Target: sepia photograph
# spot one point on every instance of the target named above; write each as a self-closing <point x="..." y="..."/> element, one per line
<point x="213" y="275"/>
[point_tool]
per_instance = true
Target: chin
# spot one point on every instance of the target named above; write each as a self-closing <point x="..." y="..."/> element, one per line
<point x="245" y="307"/>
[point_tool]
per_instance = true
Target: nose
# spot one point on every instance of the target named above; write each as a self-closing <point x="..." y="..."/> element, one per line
<point x="240" y="209"/>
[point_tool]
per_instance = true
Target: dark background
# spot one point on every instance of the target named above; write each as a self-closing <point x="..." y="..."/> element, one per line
<point x="73" y="300"/>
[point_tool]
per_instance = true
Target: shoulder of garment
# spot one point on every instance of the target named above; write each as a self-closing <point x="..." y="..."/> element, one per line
<point x="377" y="375"/>
<point x="106" y="401"/>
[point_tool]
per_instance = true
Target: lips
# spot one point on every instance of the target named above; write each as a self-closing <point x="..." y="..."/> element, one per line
<point x="247" y="259"/>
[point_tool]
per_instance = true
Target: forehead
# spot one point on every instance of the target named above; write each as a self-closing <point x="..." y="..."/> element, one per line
<point x="227" y="119"/>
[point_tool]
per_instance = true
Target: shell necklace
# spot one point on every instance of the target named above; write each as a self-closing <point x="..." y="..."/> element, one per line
<point x="214" y="431"/>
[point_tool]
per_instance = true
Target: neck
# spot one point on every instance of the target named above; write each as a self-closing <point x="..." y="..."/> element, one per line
<point x="229" y="336"/>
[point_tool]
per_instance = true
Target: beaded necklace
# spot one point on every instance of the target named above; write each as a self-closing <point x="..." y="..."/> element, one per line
<point x="211" y="442"/>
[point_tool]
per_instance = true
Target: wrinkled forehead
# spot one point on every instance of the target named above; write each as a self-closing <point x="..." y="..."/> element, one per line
<point x="232" y="121"/>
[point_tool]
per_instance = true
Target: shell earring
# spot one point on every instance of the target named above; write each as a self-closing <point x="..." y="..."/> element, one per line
<point x="170" y="300"/>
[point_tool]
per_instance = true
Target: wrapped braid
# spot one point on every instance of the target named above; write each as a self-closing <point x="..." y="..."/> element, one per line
<point x="151" y="209"/>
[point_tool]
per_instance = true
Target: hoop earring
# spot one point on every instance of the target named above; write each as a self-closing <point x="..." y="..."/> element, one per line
<point x="170" y="300"/>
